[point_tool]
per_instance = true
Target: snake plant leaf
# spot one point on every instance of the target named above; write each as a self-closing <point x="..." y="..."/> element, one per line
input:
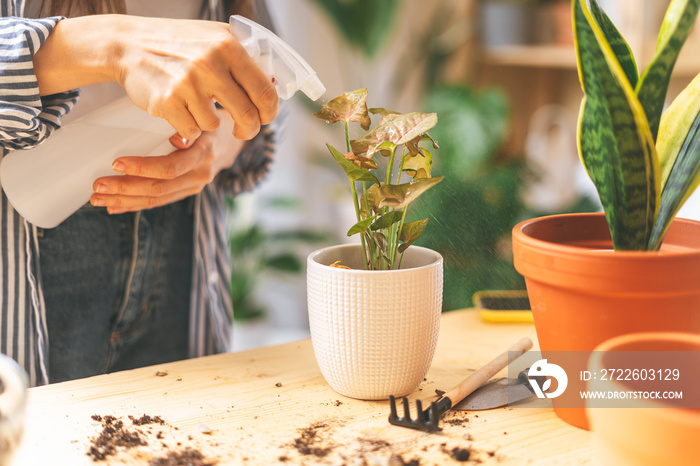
<point x="618" y="44"/>
<point x="361" y="226"/>
<point x="353" y="172"/>
<point x="614" y="138"/>
<point x="418" y="165"/>
<point x="653" y="85"/>
<point x="410" y="232"/>
<point x="678" y="146"/>
<point x="398" y="129"/>
<point x="399" y="196"/>
<point x="349" y="106"/>
<point x="387" y="220"/>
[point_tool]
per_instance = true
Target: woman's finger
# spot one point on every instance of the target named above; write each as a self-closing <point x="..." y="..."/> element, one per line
<point x="163" y="167"/>
<point x="180" y="142"/>
<point x="117" y="204"/>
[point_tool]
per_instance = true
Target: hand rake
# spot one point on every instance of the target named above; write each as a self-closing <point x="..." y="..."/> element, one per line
<point x="429" y="419"/>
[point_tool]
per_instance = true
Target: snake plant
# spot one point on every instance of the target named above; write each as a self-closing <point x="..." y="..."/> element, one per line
<point x="644" y="162"/>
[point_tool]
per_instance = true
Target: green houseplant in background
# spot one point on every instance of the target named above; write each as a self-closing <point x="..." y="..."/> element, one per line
<point x="479" y="202"/>
<point x="258" y="252"/>
<point x="634" y="268"/>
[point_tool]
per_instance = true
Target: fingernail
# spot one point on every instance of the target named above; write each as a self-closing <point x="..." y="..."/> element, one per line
<point x="101" y="188"/>
<point x="185" y="141"/>
<point x="119" y="167"/>
<point x="98" y="202"/>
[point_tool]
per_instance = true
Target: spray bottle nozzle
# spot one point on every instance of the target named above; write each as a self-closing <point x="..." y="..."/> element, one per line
<point x="288" y="70"/>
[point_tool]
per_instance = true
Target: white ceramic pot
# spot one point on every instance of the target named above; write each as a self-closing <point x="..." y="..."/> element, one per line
<point x="374" y="332"/>
<point x="13" y="395"/>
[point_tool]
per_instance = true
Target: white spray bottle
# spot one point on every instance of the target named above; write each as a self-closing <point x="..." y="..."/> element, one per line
<point x="48" y="183"/>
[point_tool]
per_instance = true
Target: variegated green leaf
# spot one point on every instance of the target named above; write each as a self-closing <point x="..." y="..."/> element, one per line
<point x="678" y="147"/>
<point x="354" y="172"/>
<point x="618" y="44"/>
<point x="653" y="85"/>
<point x="615" y="142"/>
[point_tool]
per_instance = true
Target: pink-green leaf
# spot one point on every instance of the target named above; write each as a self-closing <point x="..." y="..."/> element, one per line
<point x="382" y="111"/>
<point x="397" y="129"/>
<point x="353" y="172"/>
<point x="418" y="165"/>
<point x="361" y="160"/>
<point x="350" y="106"/>
<point x="399" y="196"/>
<point x="382" y="245"/>
<point x="360" y="227"/>
<point x="386" y="220"/>
<point x="410" y="232"/>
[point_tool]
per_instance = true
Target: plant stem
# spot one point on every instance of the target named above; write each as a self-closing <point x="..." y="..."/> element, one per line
<point x="396" y="229"/>
<point x="353" y="189"/>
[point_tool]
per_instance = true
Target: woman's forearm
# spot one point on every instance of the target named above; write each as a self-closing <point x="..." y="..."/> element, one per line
<point x="173" y="69"/>
<point x="79" y="51"/>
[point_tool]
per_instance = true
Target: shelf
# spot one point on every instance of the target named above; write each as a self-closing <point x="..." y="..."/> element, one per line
<point x="538" y="56"/>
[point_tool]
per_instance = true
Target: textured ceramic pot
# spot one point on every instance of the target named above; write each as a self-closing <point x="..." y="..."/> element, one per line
<point x="645" y="432"/>
<point x="582" y="293"/>
<point x="374" y="332"/>
<point x="13" y="395"/>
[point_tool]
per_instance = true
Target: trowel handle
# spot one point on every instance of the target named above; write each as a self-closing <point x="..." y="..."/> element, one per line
<point x="478" y="378"/>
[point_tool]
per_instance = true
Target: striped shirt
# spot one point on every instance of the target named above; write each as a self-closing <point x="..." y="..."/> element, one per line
<point x="27" y="119"/>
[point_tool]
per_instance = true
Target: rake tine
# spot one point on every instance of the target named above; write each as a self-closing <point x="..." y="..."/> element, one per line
<point x="392" y="406"/>
<point x="427" y="420"/>
<point x="406" y="410"/>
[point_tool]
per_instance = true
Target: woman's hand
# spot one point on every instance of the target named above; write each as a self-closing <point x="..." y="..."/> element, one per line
<point x="159" y="180"/>
<point x="173" y="69"/>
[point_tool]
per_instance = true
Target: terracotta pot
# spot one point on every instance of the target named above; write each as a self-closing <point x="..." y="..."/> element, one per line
<point x="582" y="293"/>
<point x="374" y="332"/>
<point x="638" y="431"/>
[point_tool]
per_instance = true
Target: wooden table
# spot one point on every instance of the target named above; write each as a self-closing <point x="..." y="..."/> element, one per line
<point x="272" y="406"/>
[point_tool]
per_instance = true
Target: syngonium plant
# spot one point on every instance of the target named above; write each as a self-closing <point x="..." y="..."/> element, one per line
<point x="381" y="198"/>
<point x="644" y="162"/>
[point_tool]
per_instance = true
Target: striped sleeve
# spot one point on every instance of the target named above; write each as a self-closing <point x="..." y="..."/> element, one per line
<point x="26" y="118"/>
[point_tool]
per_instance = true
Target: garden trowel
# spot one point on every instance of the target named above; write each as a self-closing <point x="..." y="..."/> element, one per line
<point x="498" y="392"/>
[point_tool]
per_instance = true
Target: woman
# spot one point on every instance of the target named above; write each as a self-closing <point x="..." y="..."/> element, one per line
<point x="140" y="276"/>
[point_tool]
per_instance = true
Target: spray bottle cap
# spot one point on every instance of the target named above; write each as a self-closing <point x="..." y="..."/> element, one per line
<point x="289" y="71"/>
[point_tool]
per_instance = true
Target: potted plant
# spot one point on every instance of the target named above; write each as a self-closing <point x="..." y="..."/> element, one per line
<point x="592" y="277"/>
<point x="374" y="307"/>
<point x="506" y="22"/>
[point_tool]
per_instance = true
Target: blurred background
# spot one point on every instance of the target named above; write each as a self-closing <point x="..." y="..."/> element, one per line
<point x="500" y="74"/>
